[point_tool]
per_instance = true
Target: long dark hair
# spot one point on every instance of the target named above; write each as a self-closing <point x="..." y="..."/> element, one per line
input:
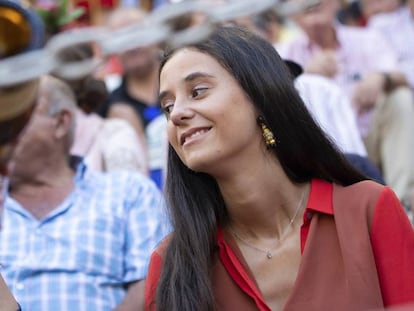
<point x="196" y="204"/>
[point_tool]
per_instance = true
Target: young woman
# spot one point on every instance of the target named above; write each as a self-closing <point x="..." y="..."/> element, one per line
<point x="267" y="214"/>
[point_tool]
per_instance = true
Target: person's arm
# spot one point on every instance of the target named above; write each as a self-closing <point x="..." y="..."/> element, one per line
<point x="126" y="112"/>
<point x="323" y="63"/>
<point x="370" y="87"/>
<point x="154" y="272"/>
<point x="134" y="298"/>
<point x="393" y="80"/>
<point x="7" y="301"/>
<point x="121" y="147"/>
<point x="384" y="75"/>
<point x="147" y="226"/>
<point x="392" y="238"/>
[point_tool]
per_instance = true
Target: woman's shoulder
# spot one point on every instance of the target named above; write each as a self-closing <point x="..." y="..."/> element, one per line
<point x="366" y="184"/>
<point x="361" y="200"/>
<point x="366" y="189"/>
<point x="365" y="193"/>
<point x="162" y="246"/>
<point x="362" y="191"/>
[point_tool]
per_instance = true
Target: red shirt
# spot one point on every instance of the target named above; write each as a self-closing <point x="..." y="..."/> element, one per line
<point x="391" y="237"/>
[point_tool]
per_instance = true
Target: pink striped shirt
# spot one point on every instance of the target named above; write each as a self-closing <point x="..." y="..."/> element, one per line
<point x="398" y="28"/>
<point x="361" y="51"/>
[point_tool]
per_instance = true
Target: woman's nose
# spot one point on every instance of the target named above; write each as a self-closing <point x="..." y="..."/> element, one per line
<point x="181" y="112"/>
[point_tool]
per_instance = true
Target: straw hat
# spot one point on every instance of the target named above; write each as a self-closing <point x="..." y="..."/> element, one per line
<point x="17" y="99"/>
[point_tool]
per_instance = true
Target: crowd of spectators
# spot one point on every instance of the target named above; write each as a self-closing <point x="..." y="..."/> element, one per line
<point x="85" y="207"/>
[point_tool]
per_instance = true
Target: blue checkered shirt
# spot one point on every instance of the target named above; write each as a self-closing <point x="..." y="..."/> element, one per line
<point x="81" y="255"/>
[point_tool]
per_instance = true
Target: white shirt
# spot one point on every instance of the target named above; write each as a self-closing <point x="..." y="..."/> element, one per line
<point x="332" y="110"/>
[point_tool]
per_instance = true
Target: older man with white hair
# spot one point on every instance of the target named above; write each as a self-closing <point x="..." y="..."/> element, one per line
<point x="74" y="239"/>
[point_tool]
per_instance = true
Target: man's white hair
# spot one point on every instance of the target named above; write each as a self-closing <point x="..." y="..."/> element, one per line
<point x="59" y="96"/>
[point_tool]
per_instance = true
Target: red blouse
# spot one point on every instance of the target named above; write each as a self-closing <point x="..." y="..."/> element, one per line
<point x="391" y="237"/>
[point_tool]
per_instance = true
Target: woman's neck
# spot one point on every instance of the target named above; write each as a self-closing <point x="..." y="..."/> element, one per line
<point x="264" y="203"/>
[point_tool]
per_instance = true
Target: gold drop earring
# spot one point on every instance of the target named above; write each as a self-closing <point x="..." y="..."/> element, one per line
<point x="268" y="136"/>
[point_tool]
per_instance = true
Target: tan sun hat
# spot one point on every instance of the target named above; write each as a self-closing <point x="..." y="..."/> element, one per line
<point x="17" y="99"/>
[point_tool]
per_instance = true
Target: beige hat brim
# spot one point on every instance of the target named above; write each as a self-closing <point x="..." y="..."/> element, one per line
<point x="17" y="99"/>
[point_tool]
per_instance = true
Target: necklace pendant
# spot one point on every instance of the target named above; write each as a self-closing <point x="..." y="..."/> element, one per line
<point x="269" y="255"/>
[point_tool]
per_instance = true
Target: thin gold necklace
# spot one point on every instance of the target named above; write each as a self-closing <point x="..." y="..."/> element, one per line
<point x="268" y="252"/>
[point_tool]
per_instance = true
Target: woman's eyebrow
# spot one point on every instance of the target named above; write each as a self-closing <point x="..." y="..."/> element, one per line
<point x="191" y="77"/>
<point x="198" y="74"/>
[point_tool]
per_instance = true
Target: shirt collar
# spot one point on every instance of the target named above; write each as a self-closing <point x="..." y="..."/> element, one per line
<point x="320" y="201"/>
<point x="320" y="197"/>
<point x="78" y="165"/>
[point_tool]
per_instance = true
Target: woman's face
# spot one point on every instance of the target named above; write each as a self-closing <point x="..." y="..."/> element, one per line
<point x="211" y="121"/>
